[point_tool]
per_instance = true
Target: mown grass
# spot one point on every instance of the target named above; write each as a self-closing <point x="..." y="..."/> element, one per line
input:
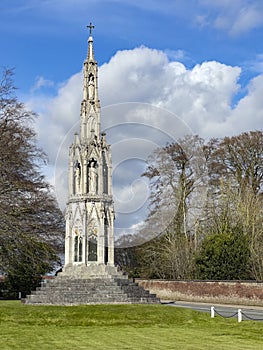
<point x="113" y="327"/>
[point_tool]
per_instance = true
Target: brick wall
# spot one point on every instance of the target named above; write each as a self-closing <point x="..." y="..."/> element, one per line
<point x="239" y="292"/>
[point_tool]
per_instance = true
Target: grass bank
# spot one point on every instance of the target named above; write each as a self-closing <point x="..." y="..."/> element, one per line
<point x="113" y="327"/>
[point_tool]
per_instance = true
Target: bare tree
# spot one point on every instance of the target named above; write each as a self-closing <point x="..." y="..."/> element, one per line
<point x="198" y="192"/>
<point x="31" y="224"/>
<point x="177" y="175"/>
<point x="239" y="158"/>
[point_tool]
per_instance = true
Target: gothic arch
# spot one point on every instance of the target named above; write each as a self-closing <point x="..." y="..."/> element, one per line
<point x="77" y="216"/>
<point x="92" y="240"/>
<point x="105" y="173"/>
<point x="78" y="241"/>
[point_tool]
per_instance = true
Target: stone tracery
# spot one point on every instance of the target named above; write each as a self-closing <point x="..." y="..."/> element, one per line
<point x="90" y="188"/>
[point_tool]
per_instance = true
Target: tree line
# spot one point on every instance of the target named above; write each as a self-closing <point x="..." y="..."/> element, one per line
<point x="31" y="224"/>
<point x="205" y="215"/>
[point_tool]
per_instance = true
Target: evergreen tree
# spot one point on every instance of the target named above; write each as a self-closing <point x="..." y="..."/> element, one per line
<point x="224" y="256"/>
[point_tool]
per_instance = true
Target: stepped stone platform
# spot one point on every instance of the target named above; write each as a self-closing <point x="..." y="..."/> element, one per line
<point x="100" y="284"/>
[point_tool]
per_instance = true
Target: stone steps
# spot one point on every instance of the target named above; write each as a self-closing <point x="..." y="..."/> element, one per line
<point x="67" y="290"/>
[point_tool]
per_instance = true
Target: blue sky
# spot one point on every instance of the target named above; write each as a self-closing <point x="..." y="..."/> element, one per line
<point x="48" y="37"/>
<point x="198" y="60"/>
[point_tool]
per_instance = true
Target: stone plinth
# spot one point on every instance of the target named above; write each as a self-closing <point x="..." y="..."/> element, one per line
<point x="100" y="284"/>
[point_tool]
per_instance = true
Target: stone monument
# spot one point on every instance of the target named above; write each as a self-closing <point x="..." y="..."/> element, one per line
<point x="89" y="244"/>
<point x="89" y="275"/>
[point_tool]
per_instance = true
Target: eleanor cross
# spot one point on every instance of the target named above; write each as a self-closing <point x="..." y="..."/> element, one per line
<point x="90" y="28"/>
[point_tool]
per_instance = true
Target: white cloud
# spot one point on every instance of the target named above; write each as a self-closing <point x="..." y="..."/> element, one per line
<point x="167" y="100"/>
<point x="145" y="75"/>
<point x="40" y="83"/>
<point x="235" y="17"/>
<point x="132" y="75"/>
<point x="248" y="114"/>
<point x="256" y="64"/>
<point x="174" y="55"/>
<point x="57" y="115"/>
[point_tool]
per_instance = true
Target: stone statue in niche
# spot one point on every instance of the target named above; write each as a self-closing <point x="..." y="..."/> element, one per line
<point x="83" y="107"/>
<point x="93" y="176"/>
<point x="91" y="87"/>
<point x="77" y="177"/>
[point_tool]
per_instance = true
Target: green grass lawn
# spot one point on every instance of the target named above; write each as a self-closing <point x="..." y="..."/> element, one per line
<point x="116" y="327"/>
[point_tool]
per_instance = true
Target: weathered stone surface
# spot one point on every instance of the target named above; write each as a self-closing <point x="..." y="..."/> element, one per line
<point x="107" y="286"/>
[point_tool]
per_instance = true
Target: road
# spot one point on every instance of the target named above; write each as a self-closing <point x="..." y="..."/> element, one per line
<point x="227" y="311"/>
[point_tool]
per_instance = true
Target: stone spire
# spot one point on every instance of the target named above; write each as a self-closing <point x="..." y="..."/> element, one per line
<point x="90" y="106"/>
<point x="90" y="213"/>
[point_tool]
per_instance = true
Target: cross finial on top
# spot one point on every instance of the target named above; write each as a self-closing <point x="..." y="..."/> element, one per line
<point x="90" y="28"/>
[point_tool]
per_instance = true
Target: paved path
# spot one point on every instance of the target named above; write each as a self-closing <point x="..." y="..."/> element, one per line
<point x="248" y="312"/>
